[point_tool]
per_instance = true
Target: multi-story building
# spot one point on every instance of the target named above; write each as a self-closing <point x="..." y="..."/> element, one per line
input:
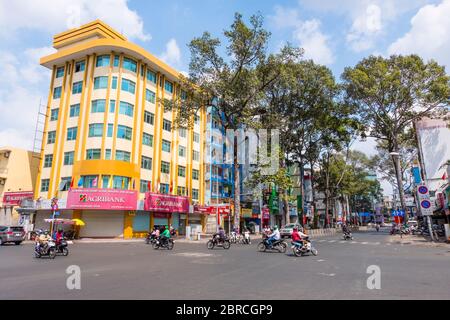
<point x="18" y="171"/>
<point x="108" y="138"/>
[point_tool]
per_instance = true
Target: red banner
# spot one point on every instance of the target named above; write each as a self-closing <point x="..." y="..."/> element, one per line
<point x="14" y="198"/>
<point x="101" y="199"/>
<point x="165" y="203"/>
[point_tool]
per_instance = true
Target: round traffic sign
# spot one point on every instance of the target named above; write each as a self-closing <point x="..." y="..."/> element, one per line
<point x="423" y="190"/>
<point x="425" y="204"/>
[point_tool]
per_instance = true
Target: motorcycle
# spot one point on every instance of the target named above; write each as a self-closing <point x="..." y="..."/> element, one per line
<point x="300" y="249"/>
<point x="61" y="248"/>
<point x="246" y="238"/>
<point x="150" y="238"/>
<point x="215" y="241"/>
<point x="347" y="236"/>
<point x="279" y="245"/>
<point x="377" y="227"/>
<point x="234" y="238"/>
<point x="163" y="244"/>
<point x="45" y="251"/>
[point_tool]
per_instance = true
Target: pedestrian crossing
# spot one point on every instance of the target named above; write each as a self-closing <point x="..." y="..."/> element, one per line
<point x="368" y="243"/>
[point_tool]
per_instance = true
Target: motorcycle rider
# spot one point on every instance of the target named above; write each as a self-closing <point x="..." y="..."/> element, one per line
<point x="298" y="237"/>
<point x="165" y="236"/>
<point x="221" y="234"/>
<point x="59" y="236"/>
<point x="274" y="236"/>
<point x="43" y="239"/>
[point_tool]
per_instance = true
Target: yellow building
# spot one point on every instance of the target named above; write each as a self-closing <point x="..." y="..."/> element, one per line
<point x="106" y="128"/>
<point x="18" y="171"/>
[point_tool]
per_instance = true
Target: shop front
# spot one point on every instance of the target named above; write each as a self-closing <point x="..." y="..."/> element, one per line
<point x="10" y="202"/>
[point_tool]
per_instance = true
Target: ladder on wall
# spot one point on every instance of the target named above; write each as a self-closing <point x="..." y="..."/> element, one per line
<point x="39" y="130"/>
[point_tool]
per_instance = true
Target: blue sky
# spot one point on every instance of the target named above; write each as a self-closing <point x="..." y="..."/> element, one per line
<point x="334" y="33"/>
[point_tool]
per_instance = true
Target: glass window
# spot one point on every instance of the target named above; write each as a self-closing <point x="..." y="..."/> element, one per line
<point x="182" y="132"/>
<point x="181" y="151"/>
<point x="51" y="137"/>
<point x="144" y="186"/>
<point x="165" y="167"/>
<point x="128" y="85"/>
<point x="112" y="106"/>
<point x="146" y="163"/>
<point x="93" y="154"/>
<point x="105" y="181"/>
<point x="150" y="96"/>
<point x="71" y="133"/>
<point x="195" y="155"/>
<point x="196" y="137"/>
<point x="95" y="130"/>
<point x="100" y="83"/>
<point x="126" y="108"/>
<point x="102" y="61"/>
<point x="195" y="194"/>
<point x="147" y="139"/>
<point x="195" y="173"/>
<point x="149" y="117"/>
<point x="129" y="64"/>
<point x="77" y="87"/>
<point x="151" y="76"/>
<point x="110" y="130"/>
<point x="181" y="171"/>
<point x="54" y="114"/>
<point x="90" y="181"/>
<point x="142" y="70"/>
<point x="183" y="95"/>
<point x="44" y="185"/>
<point x="168" y="86"/>
<point x="66" y="181"/>
<point x="167" y="125"/>
<point x="59" y="72"/>
<point x="48" y="159"/>
<point x="124" y="132"/>
<point x="122" y="155"/>
<point x="68" y="158"/>
<point x="120" y="182"/>
<point x="166" y="146"/>
<point x="196" y="119"/>
<point x="181" y="191"/>
<point x="164" y="188"/>
<point x="57" y="93"/>
<point x="114" y="83"/>
<point x="107" y="154"/>
<point x="79" y="66"/>
<point x="74" y="110"/>
<point x="98" y="106"/>
<point x="116" y="60"/>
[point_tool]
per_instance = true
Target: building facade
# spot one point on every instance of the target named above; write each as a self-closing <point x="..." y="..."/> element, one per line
<point x="106" y="132"/>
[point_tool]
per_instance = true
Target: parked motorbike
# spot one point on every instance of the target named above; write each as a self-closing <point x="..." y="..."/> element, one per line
<point x="168" y="244"/>
<point x="301" y="249"/>
<point x="347" y="236"/>
<point x="279" y="245"/>
<point x="215" y="241"/>
<point x="45" y="251"/>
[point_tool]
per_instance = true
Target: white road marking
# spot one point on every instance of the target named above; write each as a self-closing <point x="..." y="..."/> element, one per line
<point x="364" y="242"/>
<point x="375" y="243"/>
<point x="320" y="260"/>
<point x="328" y="274"/>
<point x="343" y="241"/>
<point x="331" y="241"/>
<point x="353" y="242"/>
<point x="194" y="254"/>
<point x="322" y="240"/>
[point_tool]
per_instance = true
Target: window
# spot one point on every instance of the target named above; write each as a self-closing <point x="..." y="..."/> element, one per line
<point x="44" y="185"/>
<point x="68" y="158"/>
<point x="110" y="130"/>
<point x="167" y="125"/>
<point x="90" y="181"/>
<point x="195" y="174"/>
<point x="71" y="133"/>
<point x="54" y="114"/>
<point x="164" y="188"/>
<point x="98" y="106"/>
<point x="196" y="119"/>
<point x="57" y="93"/>
<point x="100" y="83"/>
<point x="144" y="186"/>
<point x="166" y="146"/>
<point x="195" y="194"/>
<point x="129" y="64"/>
<point x="182" y="132"/>
<point x="120" y="182"/>
<point x="165" y="167"/>
<point x="51" y="137"/>
<point x="128" y="85"/>
<point x="124" y="132"/>
<point x="146" y="163"/>
<point x="65" y="183"/>
<point x="112" y="106"/>
<point x="77" y="87"/>
<point x="195" y="155"/>
<point x="168" y="86"/>
<point x="181" y="151"/>
<point x="196" y="137"/>
<point x="74" y="110"/>
<point x="150" y="96"/>
<point x="183" y="95"/>
<point x="107" y="154"/>
<point x="181" y="171"/>
<point x="149" y="117"/>
<point x="105" y="181"/>
<point x="48" y="159"/>
<point x="79" y="66"/>
<point x="116" y="61"/>
<point x="114" y="83"/>
<point x="122" y="155"/>
<point x="102" y="61"/>
<point x="147" y="139"/>
<point x="126" y="108"/>
<point x="142" y="70"/>
<point x="93" y="154"/>
<point x="95" y="130"/>
<point x="151" y="76"/>
<point x="59" y="72"/>
<point x="181" y="191"/>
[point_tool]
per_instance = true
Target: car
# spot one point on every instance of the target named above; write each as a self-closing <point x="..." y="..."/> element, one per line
<point x="286" y="231"/>
<point x="15" y="234"/>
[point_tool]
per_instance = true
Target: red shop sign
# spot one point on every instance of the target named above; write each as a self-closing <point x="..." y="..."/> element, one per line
<point x="165" y="203"/>
<point x="14" y="198"/>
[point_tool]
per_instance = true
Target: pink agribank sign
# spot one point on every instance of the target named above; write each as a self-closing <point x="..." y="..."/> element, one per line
<point x="165" y="203"/>
<point x="101" y="199"/>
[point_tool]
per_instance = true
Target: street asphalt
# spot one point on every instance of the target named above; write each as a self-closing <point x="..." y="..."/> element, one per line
<point x="191" y="271"/>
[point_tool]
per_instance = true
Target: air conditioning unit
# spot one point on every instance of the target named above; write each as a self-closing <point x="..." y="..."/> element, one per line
<point x="2" y="182"/>
<point x="6" y="154"/>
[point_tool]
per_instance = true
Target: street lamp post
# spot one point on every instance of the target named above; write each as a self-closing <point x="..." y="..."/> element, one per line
<point x="396" y="161"/>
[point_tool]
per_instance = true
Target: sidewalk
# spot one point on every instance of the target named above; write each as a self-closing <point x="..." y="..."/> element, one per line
<point x="417" y="240"/>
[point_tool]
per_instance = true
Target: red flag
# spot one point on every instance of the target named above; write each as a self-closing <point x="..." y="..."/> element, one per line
<point x="71" y="183"/>
<point x="171" y="188"/>
<point x="444" y="176"/>
<point x="149" y="186"/>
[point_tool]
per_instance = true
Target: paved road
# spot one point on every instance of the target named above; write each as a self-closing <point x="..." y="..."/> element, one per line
<point x="190" y="271"/>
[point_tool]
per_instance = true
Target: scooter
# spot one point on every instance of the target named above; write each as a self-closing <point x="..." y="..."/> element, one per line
<point x="347" y="236"/>
<point x="48" y="251"/>
<point x="300" y="249"/>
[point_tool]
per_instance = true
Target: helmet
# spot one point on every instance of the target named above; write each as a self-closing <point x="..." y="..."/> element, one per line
<point x="275" y="227"/>
<point x="295" y="229"/>
<point x="46" y="232"/>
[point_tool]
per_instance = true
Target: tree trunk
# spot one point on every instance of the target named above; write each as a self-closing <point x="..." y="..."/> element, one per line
<point x="237" y="185"/>
<point x="284" y="192"/>
<point x="401" y="192"/>
<point x="301" y="213"/>
<point x="313" y="207"/>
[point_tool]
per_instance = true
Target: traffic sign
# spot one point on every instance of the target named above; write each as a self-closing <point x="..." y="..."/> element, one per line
<point x="423" y="190"/>
<point x="426" y="204"/>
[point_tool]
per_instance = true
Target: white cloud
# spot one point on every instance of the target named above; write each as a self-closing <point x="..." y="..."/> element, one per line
<point x="365" y="28"/>
<point x="307" y="33"/>
<point x="172" y="54"/>
<point x="429" y="35"/>
<point x="57" y="16"/>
